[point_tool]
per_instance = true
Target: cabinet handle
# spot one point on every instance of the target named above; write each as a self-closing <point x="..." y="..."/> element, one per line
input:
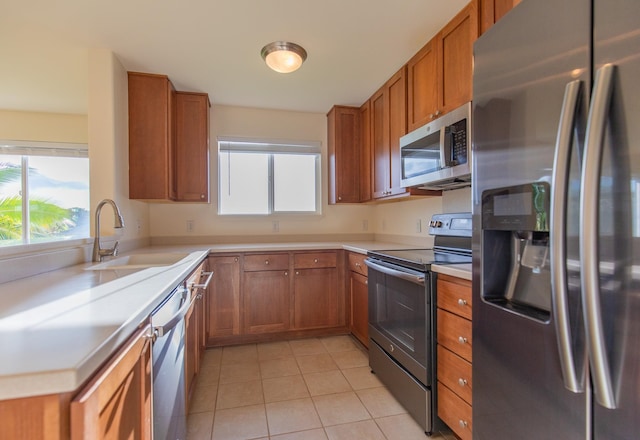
<point x="266" y="262"/>
<point x="339" y="198"/>
<point x="462" y="340"/>
<point x="437" y="112"/>
<point x="462" y="302"/>
<point x="431" y="115"/>
<point x="357" y="264"/>
<point x="462" y="382"/>
<point x="463" y="423"/>
<point x="235" y="259"/>
<point x="202" y="196"/>
<point x="297" y="273"/>
<point x="286" y="274"/>
<point x="315" y="260"/>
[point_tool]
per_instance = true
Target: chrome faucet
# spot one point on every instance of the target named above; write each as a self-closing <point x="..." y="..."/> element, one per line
<point x="98" y="253"/>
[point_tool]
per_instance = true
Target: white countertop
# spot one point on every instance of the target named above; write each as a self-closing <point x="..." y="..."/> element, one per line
<point x="455" y="270"/>
<point x="57" y="328"/>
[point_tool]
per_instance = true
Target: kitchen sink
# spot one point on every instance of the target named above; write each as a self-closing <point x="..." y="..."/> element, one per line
<point x="139" y="261"/>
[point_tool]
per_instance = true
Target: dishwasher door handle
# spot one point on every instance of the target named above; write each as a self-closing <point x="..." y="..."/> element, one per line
<point x="161" y="330"/>
<point x="204" y="285"/>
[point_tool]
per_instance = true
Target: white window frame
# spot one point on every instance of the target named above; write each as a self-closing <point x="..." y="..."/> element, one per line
<point x="273" y="146"/>
<point x="24" y="149"/>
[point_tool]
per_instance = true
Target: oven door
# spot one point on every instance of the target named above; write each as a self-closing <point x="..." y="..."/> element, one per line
<point x="400" y="317"/>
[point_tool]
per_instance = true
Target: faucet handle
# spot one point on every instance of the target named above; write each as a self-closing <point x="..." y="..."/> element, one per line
<point x="114" y="249"/>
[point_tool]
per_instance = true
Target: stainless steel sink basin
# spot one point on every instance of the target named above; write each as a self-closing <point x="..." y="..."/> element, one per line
<point x="140" y="261"/>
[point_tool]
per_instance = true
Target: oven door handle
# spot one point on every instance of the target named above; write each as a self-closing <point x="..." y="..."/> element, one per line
<point x="413" y="277"/>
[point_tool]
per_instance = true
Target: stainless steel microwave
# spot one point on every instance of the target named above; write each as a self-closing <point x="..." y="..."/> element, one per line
<point x="438" y="154"/>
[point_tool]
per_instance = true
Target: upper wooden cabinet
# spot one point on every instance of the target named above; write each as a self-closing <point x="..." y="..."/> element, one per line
<point x="440" y="74"/>
<point x="493" y="10"/>
<point x="192" y="147"/>
<point x="151" y="137"/>
<point x="344" y="146"/>
<point x="365" y="152"/>
<point x="168" y="141"/>
<point x="388" y="124"/>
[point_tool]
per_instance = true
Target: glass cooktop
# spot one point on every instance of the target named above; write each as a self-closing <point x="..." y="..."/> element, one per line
<point x="421" y="259"/>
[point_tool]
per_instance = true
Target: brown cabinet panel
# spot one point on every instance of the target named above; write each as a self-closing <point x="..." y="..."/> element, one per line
<point x="117" y="401"/>
<point x="266" y="262"/>
<point x="223" y="297"/>
<point x="266" y="301"/>
<point x="151" y="137"/>
<point x="344" y="149"/>
<point x="454" y="333"/>
<point x="316" y="298"/>
<point x="493" y="10"/>
<point x="365" y="152"/>
<point x="356" y="263"/>
<point x="454" y="295"/>
<point x="315" y="260"/>
<point x="38" y="417"/>
<point x="192" y="147"/>
<point x="456" y="48"/>
<point x="359" y="289"/>
<point x="379" y="146"/>
<point x="455" y="373"/>
<point x="455" y="412"/>
<point x="422" y="84"/>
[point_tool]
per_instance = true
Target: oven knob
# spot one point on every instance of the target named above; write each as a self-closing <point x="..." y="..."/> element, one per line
<point x="391" y="348"/>
<point x="438" y="224"/>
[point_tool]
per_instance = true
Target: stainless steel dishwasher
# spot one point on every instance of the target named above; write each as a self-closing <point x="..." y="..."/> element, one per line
<point x="169" y="398"/>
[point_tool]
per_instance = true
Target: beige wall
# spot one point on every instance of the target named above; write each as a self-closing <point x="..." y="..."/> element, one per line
<point x="43" y="127"/>
<point x="109" y="146"/>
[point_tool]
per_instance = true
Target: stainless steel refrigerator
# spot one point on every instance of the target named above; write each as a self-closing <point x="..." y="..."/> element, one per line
<point x="556" y="214"/>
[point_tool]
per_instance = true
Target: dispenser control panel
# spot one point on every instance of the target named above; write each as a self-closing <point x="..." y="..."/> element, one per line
<point x="517" y="208"/>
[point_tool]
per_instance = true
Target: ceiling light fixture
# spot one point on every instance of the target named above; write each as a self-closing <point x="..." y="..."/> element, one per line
<point x="283" y="57"/>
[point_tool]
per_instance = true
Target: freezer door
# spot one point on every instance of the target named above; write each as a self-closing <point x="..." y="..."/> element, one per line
<point x="522" y="66"/>
<point x="617" y="43"/>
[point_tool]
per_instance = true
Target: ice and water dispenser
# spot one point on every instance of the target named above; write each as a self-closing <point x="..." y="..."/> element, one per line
<point x="515" y="249"/>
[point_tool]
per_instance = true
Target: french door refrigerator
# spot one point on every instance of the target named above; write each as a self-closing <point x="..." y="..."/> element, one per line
<point x="556" y="222"/>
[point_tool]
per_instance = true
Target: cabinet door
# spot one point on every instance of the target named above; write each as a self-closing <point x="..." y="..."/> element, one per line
<point x="116" y="404"/>
<point x="151" y="137"/>
<point x="359" y="290"/>
<point x="365" y="152"/>
<point x="397" y="119"/>
<point x="493" y="10"/>
<point x="192" y="346"/>
<point x="223" y="297"/>
<point x="422" y="86"/>
<point x="316" y="298"/>
<point x="343" y="125"/>
<point x="455" y="75"/>
<point x="266" y="301"/>
<point x="37" y="417"/>
<point x="379" y="146"/>
<point x="192" y="147"/>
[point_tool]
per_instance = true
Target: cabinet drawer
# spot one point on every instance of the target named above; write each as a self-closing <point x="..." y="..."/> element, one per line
<point x="266" y="262"/>
<point x="455" y="373"/>
<point x="454" y="295"/>
<point x="356" y="263"/>
<point x="315" y="259"/>
<point x="455" y="412"/>
<point x="454" y="333"/>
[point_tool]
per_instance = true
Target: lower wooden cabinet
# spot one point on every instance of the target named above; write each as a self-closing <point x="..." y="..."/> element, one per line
<point x="359" y="296"/>
<point x="223" y="298"/>
<point x="454" y="353"/>
<point x="194" y="332"/>
<point x="266" y="300"/>
<point x="116" y="404"/>
<point x="259" y="296"/>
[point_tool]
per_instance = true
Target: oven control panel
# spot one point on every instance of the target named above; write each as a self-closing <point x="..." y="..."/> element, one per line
<point x="455" y="224"/>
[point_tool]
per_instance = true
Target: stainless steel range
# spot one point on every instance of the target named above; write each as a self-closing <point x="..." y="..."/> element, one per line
<point x="402" y="315"/>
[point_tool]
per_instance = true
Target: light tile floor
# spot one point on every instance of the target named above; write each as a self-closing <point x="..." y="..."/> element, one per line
<point x="309" y="389"/>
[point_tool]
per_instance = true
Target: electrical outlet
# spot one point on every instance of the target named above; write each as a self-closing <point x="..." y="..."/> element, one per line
<point x="138" y="226"/>
<point x="190" y="225"/>
<point x="275" y="226"/>
<point x="418" y="226"/>
<point x="365" y="225"/>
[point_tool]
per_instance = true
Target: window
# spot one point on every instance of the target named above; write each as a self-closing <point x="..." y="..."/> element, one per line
<point x="44" y="193"/>
<point x="262" y="178"/>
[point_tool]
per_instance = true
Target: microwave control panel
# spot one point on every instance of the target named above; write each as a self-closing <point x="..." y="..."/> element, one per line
<point x="456" y="135"/>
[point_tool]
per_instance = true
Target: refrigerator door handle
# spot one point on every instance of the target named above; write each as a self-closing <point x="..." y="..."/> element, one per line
<point x="589" y="205"/>
<point x="557" y="236"/>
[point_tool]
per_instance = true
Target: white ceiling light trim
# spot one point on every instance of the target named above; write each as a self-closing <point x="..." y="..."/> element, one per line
<point x="283" y="56"/>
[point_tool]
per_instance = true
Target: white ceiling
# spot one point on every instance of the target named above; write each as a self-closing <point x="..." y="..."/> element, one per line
<point x="213" y="46"/>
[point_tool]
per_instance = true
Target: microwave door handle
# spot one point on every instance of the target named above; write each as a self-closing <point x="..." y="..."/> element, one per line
<point x="447" y="147"/>
<point x="557" y="236"/>
<point x="589" y="252"/>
